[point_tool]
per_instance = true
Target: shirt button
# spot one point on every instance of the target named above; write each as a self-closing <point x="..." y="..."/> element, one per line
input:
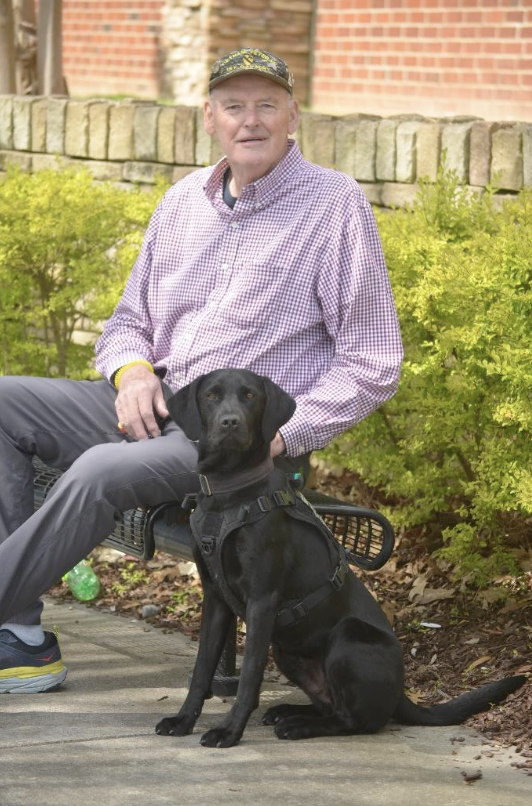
<point x="225" y="265"/>
<point x="235" y="224"/>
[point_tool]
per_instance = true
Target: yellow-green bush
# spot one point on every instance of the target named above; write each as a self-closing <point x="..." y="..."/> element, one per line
<point x="67" y="244"/>
<point x="454" y="446"/>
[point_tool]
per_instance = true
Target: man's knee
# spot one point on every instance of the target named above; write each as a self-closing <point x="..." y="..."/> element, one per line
<point x="101" y="467"/>
<point x="128" y="475"/>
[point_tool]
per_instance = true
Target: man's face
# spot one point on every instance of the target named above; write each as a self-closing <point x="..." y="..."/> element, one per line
<point x="252" y="117"/>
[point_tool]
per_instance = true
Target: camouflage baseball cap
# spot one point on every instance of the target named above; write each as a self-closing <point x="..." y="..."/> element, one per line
<point x="251" y="60"/>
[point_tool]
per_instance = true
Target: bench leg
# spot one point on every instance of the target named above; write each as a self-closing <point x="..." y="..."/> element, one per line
<point x="225" y="680"/>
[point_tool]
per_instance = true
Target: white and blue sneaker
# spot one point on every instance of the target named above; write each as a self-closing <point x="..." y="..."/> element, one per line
<point x="29" y="669"/>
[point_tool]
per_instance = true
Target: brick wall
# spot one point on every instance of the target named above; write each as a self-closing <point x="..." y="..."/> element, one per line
<point x="112" y="47"/>
<point x="435" y="57"/>
<point x="164" y="48"/>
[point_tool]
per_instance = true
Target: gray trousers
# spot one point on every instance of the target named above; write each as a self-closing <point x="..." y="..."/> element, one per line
<point x="72" y="424"/>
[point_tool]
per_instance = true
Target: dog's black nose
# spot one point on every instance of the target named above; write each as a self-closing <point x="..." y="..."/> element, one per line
<point x="230" y="421"/>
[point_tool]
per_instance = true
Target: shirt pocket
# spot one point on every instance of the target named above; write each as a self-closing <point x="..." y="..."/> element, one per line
<point x="260" y="294"/>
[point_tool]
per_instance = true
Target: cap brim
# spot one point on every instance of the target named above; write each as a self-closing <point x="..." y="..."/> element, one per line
<point x="277" y="79"/>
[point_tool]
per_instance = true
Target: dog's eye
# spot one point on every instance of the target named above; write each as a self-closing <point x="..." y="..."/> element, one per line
<point x="249" y="395"/>
<point x="213" y="396"/>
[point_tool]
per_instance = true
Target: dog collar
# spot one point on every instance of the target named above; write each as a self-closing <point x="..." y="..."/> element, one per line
<point x="229" y="483"/>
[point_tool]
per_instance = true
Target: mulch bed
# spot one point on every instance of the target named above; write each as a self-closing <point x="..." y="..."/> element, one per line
<point x="454" y="638"/>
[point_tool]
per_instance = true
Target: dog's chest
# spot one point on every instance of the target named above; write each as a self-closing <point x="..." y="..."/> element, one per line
<point x="273" y="547"/>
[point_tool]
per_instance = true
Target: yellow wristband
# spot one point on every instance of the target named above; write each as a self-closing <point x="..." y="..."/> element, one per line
<point x="121" y="371"/>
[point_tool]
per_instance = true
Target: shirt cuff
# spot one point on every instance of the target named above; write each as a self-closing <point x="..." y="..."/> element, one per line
<point x="111" y="367"/>
<point x="298" y="438"/>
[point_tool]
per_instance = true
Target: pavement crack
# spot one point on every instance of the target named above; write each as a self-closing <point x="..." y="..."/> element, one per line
<point x="79" y="741"/>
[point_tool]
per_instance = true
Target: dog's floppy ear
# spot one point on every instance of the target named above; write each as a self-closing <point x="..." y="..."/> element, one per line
<point x="278" y="409"/>
<point x="183" y="408"/>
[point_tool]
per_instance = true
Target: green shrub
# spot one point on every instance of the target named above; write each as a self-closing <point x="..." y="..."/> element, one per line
<point x="454" y="447"/>
<point x="67" y="244"/>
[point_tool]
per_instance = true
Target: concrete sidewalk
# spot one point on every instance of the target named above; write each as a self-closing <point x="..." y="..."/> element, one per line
<point x="93" y="741"/>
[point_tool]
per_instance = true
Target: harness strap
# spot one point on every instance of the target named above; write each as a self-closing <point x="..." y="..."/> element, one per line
<point x="291" y="615"/>
<point x="210" y="531"/>
<point x="264" y="503"/>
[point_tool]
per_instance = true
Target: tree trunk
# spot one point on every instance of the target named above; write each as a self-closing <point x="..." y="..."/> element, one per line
<point x="49" y="48"/>
<point x="7" y="48"/>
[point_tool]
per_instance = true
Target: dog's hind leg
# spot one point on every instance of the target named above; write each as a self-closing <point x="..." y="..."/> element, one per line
<point x="364" y="672"/>
<point x="307" y="726"/>
<point x="215" y="621"/>
<point x="354" y="684"/>
<point x="284" y="710"/>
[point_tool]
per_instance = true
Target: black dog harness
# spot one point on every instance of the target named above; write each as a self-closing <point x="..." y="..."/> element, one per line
<point x="211" y="530"/>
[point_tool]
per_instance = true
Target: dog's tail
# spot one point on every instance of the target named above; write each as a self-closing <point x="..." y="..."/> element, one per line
<point x="457" y="710"/>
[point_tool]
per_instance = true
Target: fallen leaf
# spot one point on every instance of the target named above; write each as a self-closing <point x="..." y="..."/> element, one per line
<point x="477" y="662"/>
<point x="416" y="695"/>
<point x="389" y="611"/>
<point x="418" y="588"/>
<point x="435" y="595"/>
<point x="491" y="596"/>
<point x="130" y="605"/>
<point x="511" y="605"/>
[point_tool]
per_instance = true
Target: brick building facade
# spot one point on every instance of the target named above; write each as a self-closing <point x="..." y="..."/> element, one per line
<point x="112" y="47"/>
<point x="162" y="48"/>
<point x="433" y="57"/>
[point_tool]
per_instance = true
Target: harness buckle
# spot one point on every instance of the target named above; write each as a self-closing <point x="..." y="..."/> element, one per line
<point x="189" y="502"/>
<point x="283" y="498"/>
<point x="243" y="513"/>
<point x="337" y="579"/>
<point x="264" y="503"/>
<point x="207" y="545"/>
<point x="299" y="610"/>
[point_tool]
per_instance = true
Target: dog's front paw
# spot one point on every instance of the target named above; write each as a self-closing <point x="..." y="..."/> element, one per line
<point x="175" y="726"/>
<point x="220" y="737"/>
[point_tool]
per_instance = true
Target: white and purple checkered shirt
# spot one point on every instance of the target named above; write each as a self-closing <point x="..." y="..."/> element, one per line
<point x="291" y="283"/>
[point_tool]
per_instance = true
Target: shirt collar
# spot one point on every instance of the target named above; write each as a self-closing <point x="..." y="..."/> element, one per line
<point x="256" y="194"/>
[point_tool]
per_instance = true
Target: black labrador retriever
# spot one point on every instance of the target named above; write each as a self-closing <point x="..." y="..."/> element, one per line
<point x="263" y="554"/>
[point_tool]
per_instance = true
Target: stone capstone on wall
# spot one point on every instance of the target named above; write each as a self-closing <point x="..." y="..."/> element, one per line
<point x="134" y="141"/>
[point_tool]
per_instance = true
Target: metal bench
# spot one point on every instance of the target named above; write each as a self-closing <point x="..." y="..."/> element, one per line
<point x="366" y="535"/>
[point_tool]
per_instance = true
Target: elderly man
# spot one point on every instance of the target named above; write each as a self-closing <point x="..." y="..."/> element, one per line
<point x="263" y="261"/>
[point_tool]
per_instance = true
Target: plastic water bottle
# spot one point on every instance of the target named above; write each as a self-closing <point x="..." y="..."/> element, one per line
<point x="83" y="582"/>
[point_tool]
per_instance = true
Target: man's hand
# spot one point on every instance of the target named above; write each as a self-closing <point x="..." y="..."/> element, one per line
<point x="139" y="396"/>
<point x="277" y="445"/>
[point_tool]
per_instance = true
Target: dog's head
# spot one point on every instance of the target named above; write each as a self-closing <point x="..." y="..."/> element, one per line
<point x="231" y="410"/>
